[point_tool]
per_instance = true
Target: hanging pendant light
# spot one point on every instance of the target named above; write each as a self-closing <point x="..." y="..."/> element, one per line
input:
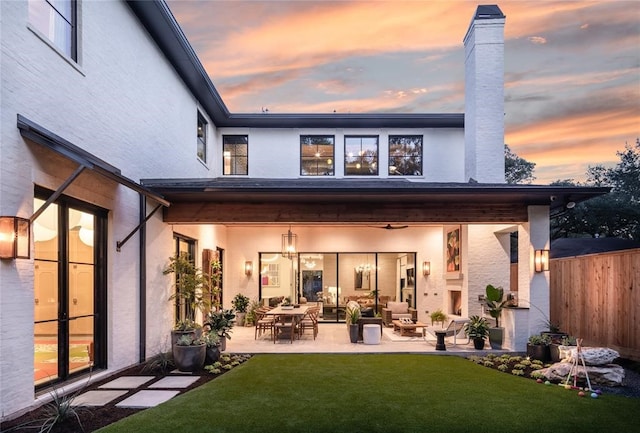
<point x="289" y="244"/>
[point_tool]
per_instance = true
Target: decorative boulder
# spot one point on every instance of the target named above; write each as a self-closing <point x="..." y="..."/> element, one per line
<point x="594" y="355"/>
<point x="609" y="375"/>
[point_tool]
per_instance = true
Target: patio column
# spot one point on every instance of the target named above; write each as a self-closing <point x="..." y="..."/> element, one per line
<point x="533" y="287"/>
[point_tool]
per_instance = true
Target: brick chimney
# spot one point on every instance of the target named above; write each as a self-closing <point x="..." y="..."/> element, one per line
<point x="484" y="96"/>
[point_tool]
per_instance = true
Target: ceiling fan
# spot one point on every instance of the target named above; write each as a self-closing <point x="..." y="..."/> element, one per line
<point x="390" y="227"/>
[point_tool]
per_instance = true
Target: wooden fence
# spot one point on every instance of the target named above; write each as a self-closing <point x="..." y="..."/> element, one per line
<point x="597" y="297"/>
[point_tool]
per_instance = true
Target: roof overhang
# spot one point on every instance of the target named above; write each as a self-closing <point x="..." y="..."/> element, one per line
<point x="46" y="138"/>
<point x="356" y="201"/>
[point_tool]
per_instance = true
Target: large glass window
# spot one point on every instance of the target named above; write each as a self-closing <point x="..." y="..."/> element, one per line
<point x="56" y="19"/>
<point x="405" y="155"/>
<point x="235" y="152"/>
<point x="360" y="155"/>
<point x="202" y="138"/>
<point x="316" y="155"/>
<point x="69" y="289"/>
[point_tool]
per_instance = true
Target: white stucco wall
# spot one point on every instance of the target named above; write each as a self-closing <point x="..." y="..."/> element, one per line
<point x="123" y="103"/>
<point x="275" y="153"/>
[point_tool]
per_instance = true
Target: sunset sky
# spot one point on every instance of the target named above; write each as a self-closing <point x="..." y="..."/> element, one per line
<point x="572" y="68"/>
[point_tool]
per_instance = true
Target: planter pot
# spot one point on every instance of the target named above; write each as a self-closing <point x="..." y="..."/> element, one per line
<point x="555" y="337"/>
<point x="496" y="336"/>
<point x="554" y="352"/>
<point x="353" y="333"/>
<point x="240" y="318"/>
<point x="189" y="358"/>
<point x="539" y="352"/>
<point x="478" y="343"/>
<point x="211" y="354"/>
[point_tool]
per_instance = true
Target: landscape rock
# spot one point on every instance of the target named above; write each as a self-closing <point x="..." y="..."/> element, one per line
<point x="609" y="375"/>
<point x="594" y="355"/>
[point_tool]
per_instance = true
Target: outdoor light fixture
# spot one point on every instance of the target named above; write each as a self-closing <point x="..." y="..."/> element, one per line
<point x="289" y="244"/>
<point x="248" y="268"/>
<point x="14" y="237"/>
<point x="541" y="260"/>
<point x="426" y="268"/>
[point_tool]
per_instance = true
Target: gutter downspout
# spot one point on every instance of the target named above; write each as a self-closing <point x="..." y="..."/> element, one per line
<point x="142" y="289"/>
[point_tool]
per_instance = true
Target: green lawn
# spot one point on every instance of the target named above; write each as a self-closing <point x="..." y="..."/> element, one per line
<point x="380" y="393"/>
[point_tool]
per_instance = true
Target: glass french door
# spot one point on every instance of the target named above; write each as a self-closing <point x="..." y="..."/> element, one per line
<point x="69" y="290"/>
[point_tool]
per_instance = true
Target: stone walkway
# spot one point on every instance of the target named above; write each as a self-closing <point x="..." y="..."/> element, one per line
<point x="155" y="393"/>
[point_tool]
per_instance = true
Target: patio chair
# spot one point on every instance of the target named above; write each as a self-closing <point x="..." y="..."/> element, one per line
<point x="264" y="322"/>
<point x="455" y="327"/>
<point x="286" y="326"/>
<point x="309" y="321"/>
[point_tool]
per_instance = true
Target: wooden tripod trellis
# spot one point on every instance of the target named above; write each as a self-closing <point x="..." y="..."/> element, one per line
<point x="574" y="367"/>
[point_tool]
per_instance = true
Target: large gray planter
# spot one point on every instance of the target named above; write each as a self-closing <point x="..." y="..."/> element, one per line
<point x="353" y="332"/>
<point x="496" y="337"/>
<point x="189" y="358"/>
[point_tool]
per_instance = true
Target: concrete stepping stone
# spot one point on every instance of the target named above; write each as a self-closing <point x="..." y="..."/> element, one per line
<point x="97" y="398"/>
<point x="147" y="398"/>
<point x="175" y="382"/>
<point x="127" y="382"/>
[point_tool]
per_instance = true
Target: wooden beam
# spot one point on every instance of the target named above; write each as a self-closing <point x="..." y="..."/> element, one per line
<point x="334" y="213"/>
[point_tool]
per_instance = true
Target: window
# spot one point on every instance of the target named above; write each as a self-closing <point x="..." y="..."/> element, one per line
<point x="235" y="152"/>
<point x="56" y="20"/>
<point x="405" y="155"/>
<point x="202" y="138"/>
<point x="361" y="155"/>
<point x="316" y="155"/>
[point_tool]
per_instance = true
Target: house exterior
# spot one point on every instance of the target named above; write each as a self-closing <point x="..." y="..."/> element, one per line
<point x="117" y="152"/>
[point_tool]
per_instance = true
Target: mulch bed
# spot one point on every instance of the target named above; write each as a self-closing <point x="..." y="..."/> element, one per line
<point x="94" y="418"/>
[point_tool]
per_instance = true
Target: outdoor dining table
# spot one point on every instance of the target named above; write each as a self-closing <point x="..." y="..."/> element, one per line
<point x="287" y="314"/>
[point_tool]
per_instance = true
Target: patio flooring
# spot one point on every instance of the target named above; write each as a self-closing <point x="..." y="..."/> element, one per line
<point x="334" y="338"/>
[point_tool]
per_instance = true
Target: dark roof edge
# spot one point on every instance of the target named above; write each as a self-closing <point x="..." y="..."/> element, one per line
<point x="157" y="19"/>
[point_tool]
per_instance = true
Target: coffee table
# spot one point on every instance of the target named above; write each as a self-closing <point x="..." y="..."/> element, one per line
<point x="407" y="329"/>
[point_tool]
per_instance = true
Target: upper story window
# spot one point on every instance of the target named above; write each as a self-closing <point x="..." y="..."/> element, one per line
<point x="56" y="19"/>
<point x="202" y="138"/>
<point x="405" y="155"/>
<point x="361" y="155"/>
<point x="235" y="153"/>
<point x="317" y="155"/>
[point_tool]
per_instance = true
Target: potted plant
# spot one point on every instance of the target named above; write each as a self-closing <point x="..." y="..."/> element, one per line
<point x="189" y="353"/>
<point x="477" y="328"/>
<point x="220" y="322"/>
<point x="495" y="302"/>
<point x="192" y="288"/>
<point x="212" y="341"/>
<point x="438" y="316"/>
<point x="240" y="303"/>
<point x="353" y="315"/>
<point x="538" y="347"/>
<point x="252" y="313"/>
<point x="560" y="350"/>
<point x="185" y="327"/>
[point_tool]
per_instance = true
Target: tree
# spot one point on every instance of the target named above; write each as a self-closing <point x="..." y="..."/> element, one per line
<point x="616" y="214"/>
<point x="516" y="169"/>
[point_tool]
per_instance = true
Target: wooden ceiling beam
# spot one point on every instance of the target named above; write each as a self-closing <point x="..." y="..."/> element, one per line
<point x="354" y="212"/>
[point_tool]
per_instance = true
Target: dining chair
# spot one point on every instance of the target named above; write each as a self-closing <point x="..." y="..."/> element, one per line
<point x="264" y="322"/>
<point x="286" y="325"/>
<point x="309" y="321"/>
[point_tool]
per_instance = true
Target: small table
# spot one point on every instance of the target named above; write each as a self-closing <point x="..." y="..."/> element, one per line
<point x="440" y="340"/>
<point x="407" y="329"/>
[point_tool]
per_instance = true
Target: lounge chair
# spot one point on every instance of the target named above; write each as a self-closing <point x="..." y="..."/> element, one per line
<point x="455" y="328"/>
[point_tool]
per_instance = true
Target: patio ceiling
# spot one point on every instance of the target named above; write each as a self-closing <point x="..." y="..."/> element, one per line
<point x="355" y="201"/>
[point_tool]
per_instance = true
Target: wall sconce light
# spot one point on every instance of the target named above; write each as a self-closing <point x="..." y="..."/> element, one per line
<point x="426" y="268"/>
<point x="248" y="268"/>
<point x="15" y="237"/>
<point x="541" y="260"/>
